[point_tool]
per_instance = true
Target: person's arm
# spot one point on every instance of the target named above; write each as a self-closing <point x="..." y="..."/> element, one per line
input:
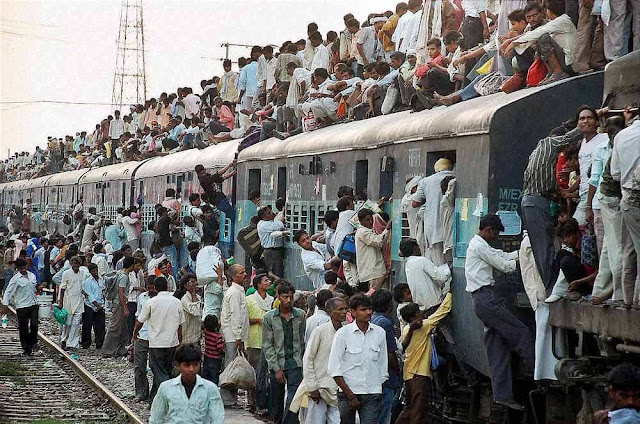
<point x="180" y="334"/>
<point x="308" y="366"/>
<point x="361" y="52"/>
<point x="419" y="197"/>
<point x="439" y="274"/>
<point x="216" y="406"/>
<point x="485" y="25"/>
<point x="192" y="307"/>
<point x="589" y="279"/>
<point x="614" y="166"/>
<point x="497" y="260"/>
<point x="550" y="27"/>
<point x="254" y="312"/>
<point x="9" y="291"/>
<point x="159" y="407"/>
<point x="372" y="239"/>
<point x="137" y="327"/>
<point x="441" y="312"/>
<point x="237" y="318"/>
<point x="123" y="301"/>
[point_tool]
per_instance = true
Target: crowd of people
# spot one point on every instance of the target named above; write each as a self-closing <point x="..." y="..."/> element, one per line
<point x="358" y="339"/>
<point x="416" y="57"/>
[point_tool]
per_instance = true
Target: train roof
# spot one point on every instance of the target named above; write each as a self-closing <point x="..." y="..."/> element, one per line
<point x="116" y="172"/>
<point x="465" y="118"/>
<point x="212" y="157"/>
<point x="66" y="178"/>
<point x="621" y="82"/>
<point x="36" y="182"/>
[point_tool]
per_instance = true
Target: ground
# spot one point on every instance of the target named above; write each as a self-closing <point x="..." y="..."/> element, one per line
<point x="239" y="416"/>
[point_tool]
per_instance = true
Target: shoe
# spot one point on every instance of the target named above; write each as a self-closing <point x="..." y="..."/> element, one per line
<point x="552" y="298"/>
<point x="554" y="78"/>
<point x="280" y="135"/>
<point x="572" y="295"/>
<point x="511" y="404"/>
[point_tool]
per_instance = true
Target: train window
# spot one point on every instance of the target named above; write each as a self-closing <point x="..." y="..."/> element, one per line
<point x="255" y="180"/>
<point x="386" y="176"/>
<point x="124" y="194"/>
<point x="282" y="182"/>
<point x="433" y="157"/>
<point x="179" y="180"/>
<point x="168" y="179"/>
<point x="189" y="176"/>
<point x="362" y="179"/>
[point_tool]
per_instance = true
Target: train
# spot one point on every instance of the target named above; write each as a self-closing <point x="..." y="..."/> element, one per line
<point x="489" y="140"/>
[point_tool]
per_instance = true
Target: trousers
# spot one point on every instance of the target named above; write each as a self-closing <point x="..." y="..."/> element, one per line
<point x="540" y="224"/>
<point x="28" y="327"/>
<point x="630" y="248"/>
<point x="161" y="364"/>
<point x="417" y="399"/>
<point x="609" y="278"/>
<point x="274" y="258"/>
<point x="321" y="412"/>
<point x="503" y="333"/>
<point x="140" y="358"/>
<point x="615" y="41"/>
<point x="281" y="399"/>
<point x="116" y="339"/>
<point x="70" y="332"/>
<point x="92" y="320"/>
<point x="589" y="41"/>
<point x="369" y="410"/>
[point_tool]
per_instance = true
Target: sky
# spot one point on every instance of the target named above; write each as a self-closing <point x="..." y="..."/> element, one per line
<point x="65" y="51"/>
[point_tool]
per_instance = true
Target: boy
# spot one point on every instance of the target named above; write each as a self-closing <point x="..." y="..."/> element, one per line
<point x="204" y="404"/>
<point x="402" y="296"/>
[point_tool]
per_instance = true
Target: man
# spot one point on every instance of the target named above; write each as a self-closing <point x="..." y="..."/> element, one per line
<point x="400" y="32"/>
<point x="475" y="27"/>
<point x="320" y="316"/>
<point x="192" y="307"/>
<point x="114" y="234"/>
<point x="321" y="55"/>
<point x="382" y="303"/>
<point x="258" y="304"/>
<point x="369" y="48"/>
<point x="248" y="81"/>
<point x="165" y="315"/>
<point x="372" y="270"/>
<point x="93" y="316"/>
<point x="271" y="234"/>
<point x="319" y="386"/>
<point x="410" y="37"/>
<point x="234" y="323"/>
<point x="22" y="290"/>
<point x="429" y="194"/>
<point x="358" y="363"/>
<point x="71" y="299"/>
<point x="212" y="185"/>
<point x="385" y="35"/>
<point x="129" y="225"/>
<point x="165" y="241"/>
<point x="227" y="84"/>
<point x="210" y="274"/>
<point x="606" y="193"/>
<point x="625" y="161"/>
<point x="503" y="331"/>
<point x="170" y="202"/>
<point x="314" y="258"/>
<point x="136" y="287"/>
<point x="417" y="365"/>
<point x="165" y="270"/>
<point x="344" y="227"/>
<point x="282" y="344"/>
<point x="588" y="125"/>
<point x="539" y="188"/>
<point x="117" y="338"/>
<point x="203" y="403"/>
<point x="427" y="282"/>
<point x="141" y="346"/>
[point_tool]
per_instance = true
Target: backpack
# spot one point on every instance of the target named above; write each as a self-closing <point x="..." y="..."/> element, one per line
<point x="111" y="284"/>
<point x="347" y="250"/>
<point x="249" y="240"/>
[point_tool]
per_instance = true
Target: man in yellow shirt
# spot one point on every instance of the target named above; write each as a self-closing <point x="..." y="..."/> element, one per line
<point x="258" y="303"/>
<point x="389" y="28"/>
<point x="416" y="342"/>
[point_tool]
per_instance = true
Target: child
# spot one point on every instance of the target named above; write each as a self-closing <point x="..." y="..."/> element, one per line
<point x="191" y="233"/>
<point x="204" y="404"/>
<point x="624" y="392"/>
<point x="330" y="281"/>
<point x="402" y="296"/>
<point x="213" y="349"/>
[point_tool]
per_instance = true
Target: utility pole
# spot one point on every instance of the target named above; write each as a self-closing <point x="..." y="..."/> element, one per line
<point x="129" y="80"/>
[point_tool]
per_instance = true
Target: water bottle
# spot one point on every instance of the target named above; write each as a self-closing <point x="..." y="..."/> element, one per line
<point x="5" y="321"/>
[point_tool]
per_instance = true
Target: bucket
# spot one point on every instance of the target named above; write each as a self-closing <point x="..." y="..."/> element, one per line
<point x="44" y="302"/>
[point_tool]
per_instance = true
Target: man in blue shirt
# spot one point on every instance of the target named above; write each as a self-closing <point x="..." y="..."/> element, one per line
<point x="248" y="81"/>
<point x="382" y="301"/>
<point x="93" y="316"/>
<point x="188" y="398"/>
<point x="271" y="234"/>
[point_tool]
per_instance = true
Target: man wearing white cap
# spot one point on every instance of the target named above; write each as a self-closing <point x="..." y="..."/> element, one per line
<point x="429" y="194"/>
<point x="369" y="47"/>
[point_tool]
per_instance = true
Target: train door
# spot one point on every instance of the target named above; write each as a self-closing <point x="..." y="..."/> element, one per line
<point x="282" y="183"/>
<point x="123" y="195"/>
<point x="386" y="177"/>
<point x="255" y="181"/>
<point x="433" y="157"/>
<point x="362" y="179"/>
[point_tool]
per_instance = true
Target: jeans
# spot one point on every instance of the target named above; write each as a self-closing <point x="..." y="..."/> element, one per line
<point x="161" y="362"/>
<point x="131" y="319"/>
<point x="388" y="394"/>
<point x="28" y="327"/>
<point x="630" y="249"/>
<point x="172" y="254"/>
<point x="274" y="258"/>
<point x="278" y="401"/>
<point x="211" y="369"/>
<point x="609" y="278"/>
<point x="140" y="357"/>
<point x="92" y="319"/>
<point x="369" y="410"/>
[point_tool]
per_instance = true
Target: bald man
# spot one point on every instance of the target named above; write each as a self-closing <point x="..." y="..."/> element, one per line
<point x="429" y="194"/>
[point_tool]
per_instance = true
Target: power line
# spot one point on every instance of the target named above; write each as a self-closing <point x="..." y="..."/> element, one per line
<point x="57" y="102"/>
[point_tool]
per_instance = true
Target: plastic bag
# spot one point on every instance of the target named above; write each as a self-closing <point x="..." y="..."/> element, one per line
<point x="486" y="68"/>
<point x="435" y="361"/>
<point x="60" y="314"/>
<point x="239" y="374"/>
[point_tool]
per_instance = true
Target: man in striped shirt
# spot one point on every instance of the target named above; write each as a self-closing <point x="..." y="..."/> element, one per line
<point x="539" y="189"/>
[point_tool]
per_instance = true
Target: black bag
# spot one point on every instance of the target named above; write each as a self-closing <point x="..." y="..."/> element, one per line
<point x="66" y="220"/>
<point x="249" y="240"/>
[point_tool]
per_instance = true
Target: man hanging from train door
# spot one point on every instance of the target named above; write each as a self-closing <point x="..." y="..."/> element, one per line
<point x="429" y="193"/>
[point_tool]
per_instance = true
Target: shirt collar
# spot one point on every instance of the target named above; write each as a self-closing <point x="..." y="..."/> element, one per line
<point x="356" y="328"/>
<point x="164" y="293"/>
<point x="294" y="312"/>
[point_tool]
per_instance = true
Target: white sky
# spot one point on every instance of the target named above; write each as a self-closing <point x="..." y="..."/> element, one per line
<point x="65" y="51"/>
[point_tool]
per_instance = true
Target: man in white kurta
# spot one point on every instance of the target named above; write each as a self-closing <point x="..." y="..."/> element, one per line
<point x="72" y="300"/>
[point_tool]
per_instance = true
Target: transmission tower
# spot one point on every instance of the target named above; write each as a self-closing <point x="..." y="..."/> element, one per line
<point x="129" y="79"/>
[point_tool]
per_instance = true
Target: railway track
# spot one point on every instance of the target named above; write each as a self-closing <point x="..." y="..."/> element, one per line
<point x="52" y="387"/>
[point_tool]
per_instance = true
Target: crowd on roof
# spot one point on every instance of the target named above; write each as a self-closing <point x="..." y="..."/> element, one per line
<point x="416" y="57"/>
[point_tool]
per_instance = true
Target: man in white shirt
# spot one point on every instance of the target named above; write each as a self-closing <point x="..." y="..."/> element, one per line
<point x="368" y="45"/>
<point x="116" y="128"/>
<point x="141" y="346"/>
<point x="320" y="387"/>
<point x="372" y="269"/>
<point x="502" y="329"/>
<point x="358" y="363"/>
<point x="320" y="316"/>
<point x="165" y="315"/>
<point x="129" y="225"/>
<point x="314" y="258"/>
<point x="72" y="300"/>
<point x="234" y="323"/>
<point x="321" y="55"/>
<point x="191" y="104"/>
<point x="474" y="28"/>
<point x="399" y="36"/>
<point x="344" y="227"/>
<point x="427" y="282"/>
<point x="625" y="162"/>
<point x="22" y="290"/>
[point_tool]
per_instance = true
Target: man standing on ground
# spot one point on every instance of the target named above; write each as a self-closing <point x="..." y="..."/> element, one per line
<point x="22" y="289"/>
<point x="283" y="344"/>
<point x="117" y="338"/>
<point x="165" y="315"/>
<point x="503" y="331"/>
<point x="141" y="346"/>
<point x="234" y="323"/>
<point x="358" y="363"/>
<point x="93" y="315"/>
<point x="320" y="316"/>
<point x="72" y="300"/>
